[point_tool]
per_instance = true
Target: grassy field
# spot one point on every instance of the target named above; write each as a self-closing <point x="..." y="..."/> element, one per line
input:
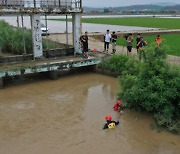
<point x="168" y="23"/>
<point x="171" y="39"/>
<point x="142" y="22"/>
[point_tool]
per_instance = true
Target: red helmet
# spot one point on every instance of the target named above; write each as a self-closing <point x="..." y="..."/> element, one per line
<point x="118" y="102"/>
<point x="108" y="118"/>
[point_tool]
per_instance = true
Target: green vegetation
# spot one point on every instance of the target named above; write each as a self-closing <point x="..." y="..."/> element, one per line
<point x="11" y="40"/>
<point x="115" y="64"/>
<point x="171" y="39"/>
<point x="131" y="21"/>
<point x="141" y="22"/>
<point x="151" y="86"/>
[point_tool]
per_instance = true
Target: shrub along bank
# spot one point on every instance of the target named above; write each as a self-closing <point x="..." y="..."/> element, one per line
<point x="11" y="40"/>
<point x="151" y="86"/>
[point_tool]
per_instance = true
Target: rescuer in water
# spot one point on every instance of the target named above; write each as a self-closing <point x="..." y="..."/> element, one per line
<point x="118" y="106"/>
<point x="110" y="123"/>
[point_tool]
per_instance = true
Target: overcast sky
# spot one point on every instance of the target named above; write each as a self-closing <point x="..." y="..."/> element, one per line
<point x="112" y="3"/>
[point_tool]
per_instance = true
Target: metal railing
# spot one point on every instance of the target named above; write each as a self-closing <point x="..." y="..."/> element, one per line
<point x="14" y="4"/>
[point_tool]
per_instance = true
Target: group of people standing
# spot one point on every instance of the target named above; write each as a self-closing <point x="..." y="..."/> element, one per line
<point x="140" y="44"/>
<point x="112" y="38"/>
<point x="108" y="38"/>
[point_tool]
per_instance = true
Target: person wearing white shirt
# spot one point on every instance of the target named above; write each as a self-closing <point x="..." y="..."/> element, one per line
<point x="107" y="40"/>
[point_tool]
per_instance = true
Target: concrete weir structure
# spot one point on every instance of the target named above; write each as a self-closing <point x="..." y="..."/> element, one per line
<point x="37" y="8"/>
<point x="39" y="62"/>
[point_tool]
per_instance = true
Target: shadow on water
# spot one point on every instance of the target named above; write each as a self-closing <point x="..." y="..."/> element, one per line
<point x="43" y="76"/>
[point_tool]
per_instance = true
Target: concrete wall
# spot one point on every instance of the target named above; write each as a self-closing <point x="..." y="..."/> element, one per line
<point x="46" y="54"/>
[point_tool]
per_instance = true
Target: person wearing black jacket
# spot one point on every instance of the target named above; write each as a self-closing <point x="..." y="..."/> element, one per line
<point x="84" y="41"/>
<point x="114" y="39"/>
<point x="141" y="52"/>
<point x="138" y="39"/>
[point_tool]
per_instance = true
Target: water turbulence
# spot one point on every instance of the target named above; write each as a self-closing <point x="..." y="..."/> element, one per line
<point x="67" y="115"/>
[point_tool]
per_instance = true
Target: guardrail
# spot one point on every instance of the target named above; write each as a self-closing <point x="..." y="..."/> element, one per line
<point x="29" y="4"/>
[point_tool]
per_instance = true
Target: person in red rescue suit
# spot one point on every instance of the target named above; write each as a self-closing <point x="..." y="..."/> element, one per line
<point x="118" y="106"/>
<point x="109" y="123"/>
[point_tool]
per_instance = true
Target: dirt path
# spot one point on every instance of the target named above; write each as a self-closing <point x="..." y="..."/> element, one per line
<point x="97" y="44"/>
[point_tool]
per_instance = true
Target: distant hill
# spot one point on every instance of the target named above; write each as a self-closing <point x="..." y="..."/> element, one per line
<point x="176" y="7"/>
<point x="138" y="7"/>
<point x="165" y="4"/>
<point x="150" y="7"/>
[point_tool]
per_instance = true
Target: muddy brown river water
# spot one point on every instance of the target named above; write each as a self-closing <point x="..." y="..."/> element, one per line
<point x="66" y="117"/>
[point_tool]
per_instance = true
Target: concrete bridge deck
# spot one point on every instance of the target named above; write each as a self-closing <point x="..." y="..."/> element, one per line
<point x="48" y="65"/>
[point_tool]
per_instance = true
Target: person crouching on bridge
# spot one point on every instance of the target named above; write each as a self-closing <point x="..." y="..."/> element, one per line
<point x="84" y="41"/>
<point x="109" y="123"/>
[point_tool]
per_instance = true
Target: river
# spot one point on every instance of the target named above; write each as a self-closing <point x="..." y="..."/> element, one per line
<point x="60" y="26"/>
<point x="66" y="116"/>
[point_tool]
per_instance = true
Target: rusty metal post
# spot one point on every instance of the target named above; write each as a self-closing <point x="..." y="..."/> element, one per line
<point x="67" y="43"/>
<point x="24" y="43"/>
<point x="34" y="3"/>
<point x="46" y="33"/>
<point x="17" y="21"/>
<point x="80" y="4"/>
<point x="59" y="3"/>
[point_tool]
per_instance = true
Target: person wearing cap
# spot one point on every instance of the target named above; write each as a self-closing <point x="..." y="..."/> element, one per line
<point x="110" y="123"/>
<point x="118" y="106"/>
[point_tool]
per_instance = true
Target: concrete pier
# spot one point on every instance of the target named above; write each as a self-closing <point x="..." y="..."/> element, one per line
<point x="76" y="18"/>
<point x="36" y="36"/>
<point x="53" y="75"/>
<point x="1" y="83"/>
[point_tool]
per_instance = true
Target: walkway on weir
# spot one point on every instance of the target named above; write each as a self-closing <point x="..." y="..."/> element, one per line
<point x="47" y="65"/>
